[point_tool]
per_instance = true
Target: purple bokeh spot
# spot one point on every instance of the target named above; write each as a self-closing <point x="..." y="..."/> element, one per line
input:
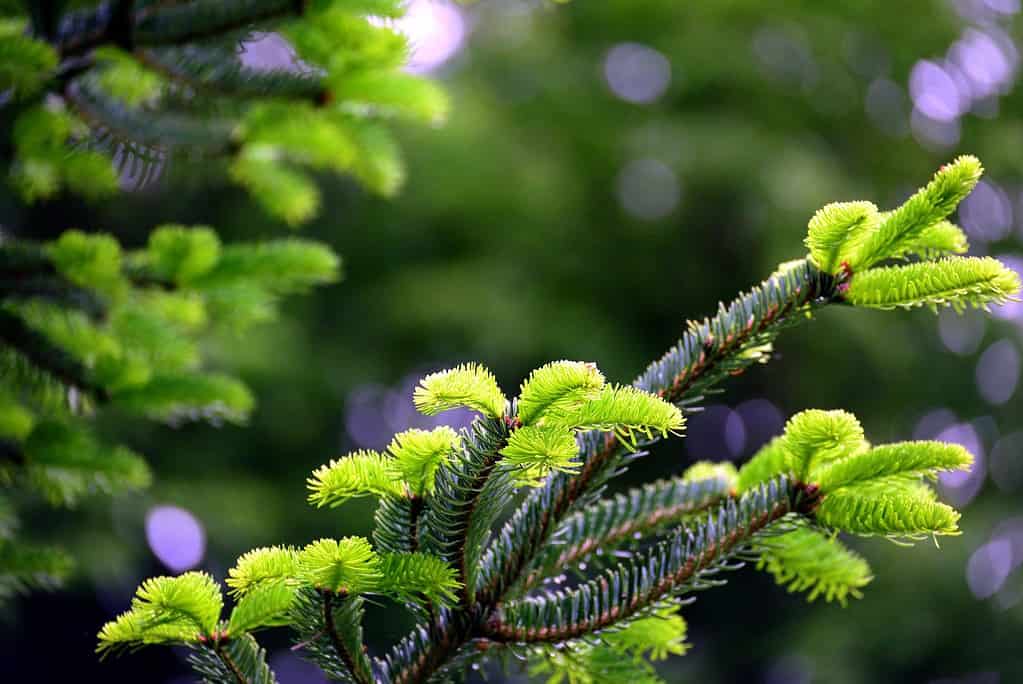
<point x="374" y="413"/>
<point x="292" y="669"/>
<point x="986" y="213"/>
<point x="932" y="423"/>
<point x="961" y="486"/>
<point x="176" y="537"/>
<point x="934" y="92"/>
<point x="988" y="568"/>
<point x="716" y="433"/>
<point x="762" y="421"/>
<point x="998" y="372"/>
<point x="637" y="73"/>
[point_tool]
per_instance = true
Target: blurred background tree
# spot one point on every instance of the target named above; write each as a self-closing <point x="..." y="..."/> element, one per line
<point x="610" y="169"/>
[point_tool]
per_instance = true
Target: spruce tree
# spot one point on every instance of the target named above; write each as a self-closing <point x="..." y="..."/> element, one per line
<point x="98" y="97"/>
<point x="498" y="539"/>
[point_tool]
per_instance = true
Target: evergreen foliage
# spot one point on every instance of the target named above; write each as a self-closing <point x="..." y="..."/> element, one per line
<point x="141" y="83"/>
<point x="105" y="95"/>
<point x="589" y="588"/>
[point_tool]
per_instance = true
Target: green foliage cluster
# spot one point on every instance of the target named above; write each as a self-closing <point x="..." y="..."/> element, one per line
<point x="104" y="95"/>
<point x="141" y="84"/>
<point x="450" y="498"/>
<point x="89" y="326"/>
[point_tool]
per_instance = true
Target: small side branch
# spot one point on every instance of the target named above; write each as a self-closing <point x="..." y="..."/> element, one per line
<point x="358" y="673"/>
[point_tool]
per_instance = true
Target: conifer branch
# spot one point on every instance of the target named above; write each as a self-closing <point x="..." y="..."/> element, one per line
<point x="673" y="567"/>
<point x="357" y="668"/>
<point x="637" y="513"/>
<point x="49" y="357"/>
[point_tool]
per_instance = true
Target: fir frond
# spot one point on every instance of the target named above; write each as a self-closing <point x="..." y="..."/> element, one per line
<point x="88" y="260"/>
<point x="329" y="629"/>
<point x="944" y="238"/>
<point x="261" y="567"/>
<point x="419" y="453"/>
<point x="612" y="523"/>
<point x="412" y="576"/>
<point x="468" y="497"/>
<point x="589" y="664"/>
<point x="558" y="388"/>
<point x="346" y="566"/>
<point x="901" y="458"/>
<point x="533" y="452"/>
<point x="362" y="473"/>
<point x="807" y="560"/>
<point x="815" y="437"/>
<point x="898" y="508"/>
<point x="739" y="335"/>
<point x="64" y="462"/>
<point x="232" y="661"/>
<point x="188" y="396"/>
<point x="182" y="254"/>
<point x="959" y="282"/>
<point x="771" y="460"/>
<point x="267" y="605"/>
<point x="178" y="609"/>
<point x="279" y="266"/>
<point x="628" y="412"/>
<point x="654" y="637"/>
<point x="836" y="230"/>
<point x="719" y="471"/>
<point x="392" y="93"/>
<point x="903" y="227"/>
<point x="25" y="63"/>
<point x="470" y="385"/>
<point x="672" y="567"/>
<point x="27" y="566"/>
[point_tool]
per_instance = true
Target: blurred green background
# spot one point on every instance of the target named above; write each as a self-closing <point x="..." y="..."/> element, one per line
<point x="610" y="169"/>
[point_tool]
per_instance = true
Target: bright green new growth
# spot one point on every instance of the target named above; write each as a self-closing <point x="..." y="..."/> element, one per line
<point x="861" y="489"/>
<point x="363" y="473"/>
<point x="850" y="238"/>
<point x="619" y="656"/>
<point x="837" y="229"/>
<point x="959" y="282"/>
<point x="556" y="389"/>
<point x="811" y="561"/>
<point x="483" y="571"/>
<point x="469" y="385"/>
<point x="534" y="452"/>
<point x="346" y="566"/>
<point x="418" y="453"/>
<point x="902" y="228"/>
<point x="262" y="567"/>
<point x="626" y="411"/>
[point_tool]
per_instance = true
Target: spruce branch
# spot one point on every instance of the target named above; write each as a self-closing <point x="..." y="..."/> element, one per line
<point x="44" y="354"/>
<point x="609" y="523"/>
<point x="672" y="568"/>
